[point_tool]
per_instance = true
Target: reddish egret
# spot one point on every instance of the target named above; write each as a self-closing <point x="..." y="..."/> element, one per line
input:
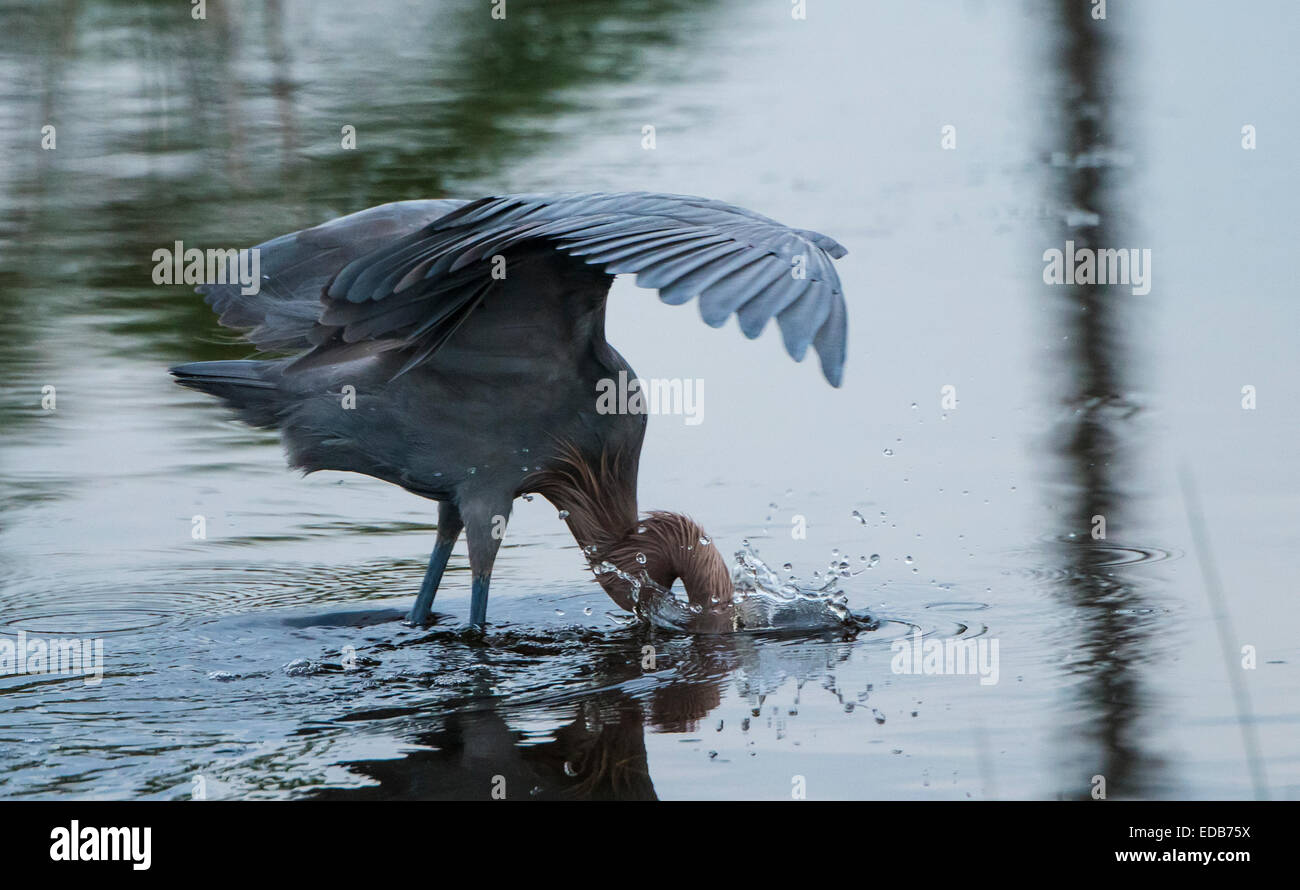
<point x="457" y="348"/>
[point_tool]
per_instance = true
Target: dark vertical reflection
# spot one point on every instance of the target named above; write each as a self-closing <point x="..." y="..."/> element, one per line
<point x="282" y="87"/>
<point x="1109" y="634"/>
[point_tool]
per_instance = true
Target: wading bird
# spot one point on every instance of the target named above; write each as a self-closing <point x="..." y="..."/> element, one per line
<point x="471" y="336"/>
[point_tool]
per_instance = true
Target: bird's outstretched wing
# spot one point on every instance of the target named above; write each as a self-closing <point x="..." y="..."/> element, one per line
<point x="295" y="269"/>
<point x="420" y="287"/>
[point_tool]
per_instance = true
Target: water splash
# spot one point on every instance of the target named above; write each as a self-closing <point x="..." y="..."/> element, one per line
<point x="761" y="601"/>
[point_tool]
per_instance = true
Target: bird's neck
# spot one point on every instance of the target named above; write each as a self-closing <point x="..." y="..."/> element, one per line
<point x="597" y="499"/>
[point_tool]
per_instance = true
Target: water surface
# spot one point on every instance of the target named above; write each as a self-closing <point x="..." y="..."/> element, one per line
<point x="269" y="660"/>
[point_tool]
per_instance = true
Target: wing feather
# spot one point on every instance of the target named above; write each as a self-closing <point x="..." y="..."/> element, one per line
<point x="411" y="274"/>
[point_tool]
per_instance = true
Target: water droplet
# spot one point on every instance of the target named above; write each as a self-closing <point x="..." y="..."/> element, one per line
<point x="640" y="529"/>
<point x="587" y="610"/>
<point x="788" y="567"/>
<point x="859" y="517"/>
<point x="704" y="541"/>
<point x="640" y="557"/>
<point x="473" y="470"/>
<point x="889" y="452"/>
<point x="563" y="514"/>
<point x="907" y="559"/>
<point x="914" y="406"/>
<point x="875" y="558"/>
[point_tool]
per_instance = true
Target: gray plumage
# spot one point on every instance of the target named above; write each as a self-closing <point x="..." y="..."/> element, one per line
<point x="471" y="387"/>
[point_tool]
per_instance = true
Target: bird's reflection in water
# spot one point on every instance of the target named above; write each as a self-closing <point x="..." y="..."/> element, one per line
<point x="473" y="748"/>
<point x="474" y="754"/>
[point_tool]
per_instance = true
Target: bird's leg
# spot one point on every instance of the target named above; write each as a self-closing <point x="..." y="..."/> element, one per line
<point x="449" y="528"/>
<point x="485" y="526"/>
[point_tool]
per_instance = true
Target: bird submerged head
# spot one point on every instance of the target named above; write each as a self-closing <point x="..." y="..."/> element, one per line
<point x="665" y="547"/>
<point x="596" y="497"/>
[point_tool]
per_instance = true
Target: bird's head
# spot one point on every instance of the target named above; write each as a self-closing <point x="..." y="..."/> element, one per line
<point x="667" y="547"/>
<point x="596" y="497"/>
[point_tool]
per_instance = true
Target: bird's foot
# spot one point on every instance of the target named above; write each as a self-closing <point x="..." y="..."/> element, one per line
<point x="413" y="619"/>
<point x="471" y="633"/>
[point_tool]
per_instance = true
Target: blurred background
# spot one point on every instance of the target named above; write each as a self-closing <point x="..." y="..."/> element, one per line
<point x="225" y="657"/>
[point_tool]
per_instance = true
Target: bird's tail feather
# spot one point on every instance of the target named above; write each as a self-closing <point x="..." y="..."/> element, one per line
<point x="248" y="386"/>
